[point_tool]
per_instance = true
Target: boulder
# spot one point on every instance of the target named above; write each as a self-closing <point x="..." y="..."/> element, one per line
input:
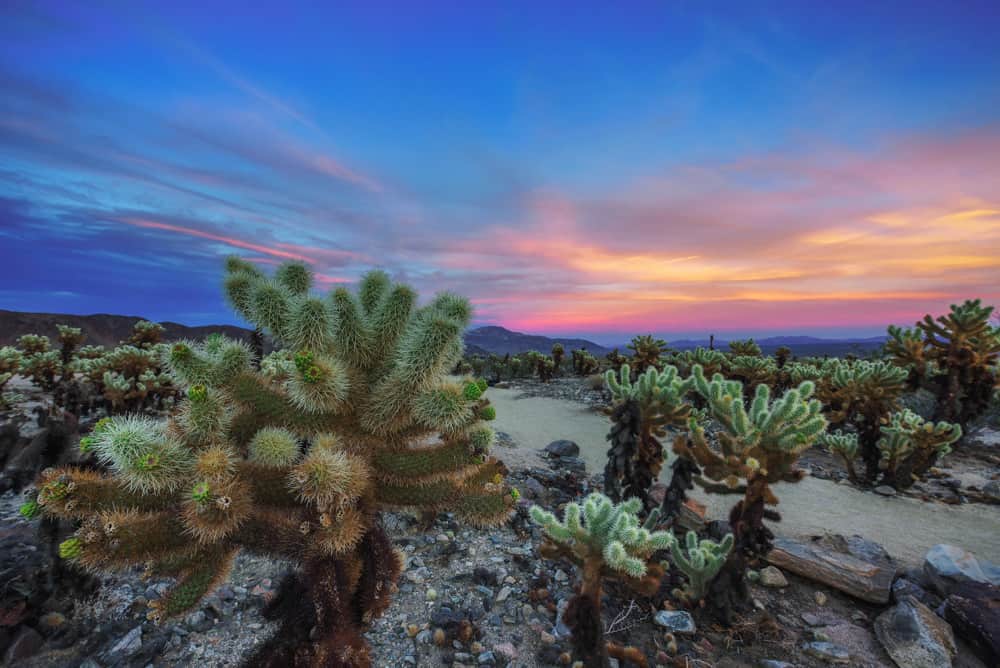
<point x="562" y="448"/>
<point x="914" y="636"/>
<point x="973" y="611"/>
<point x="946" y="566"/>
<point x="855" y="566"/>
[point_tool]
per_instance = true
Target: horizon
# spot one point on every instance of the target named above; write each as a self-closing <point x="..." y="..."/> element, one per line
<point x="776" y="170"/>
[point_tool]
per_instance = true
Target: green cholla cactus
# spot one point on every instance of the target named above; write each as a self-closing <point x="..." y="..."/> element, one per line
<point x="146" y="334"/>
<point x="584" y="364"/>
<point x="752" y="371"/>
<point x="711" y="361"/>
<point x="355" y="414"/>
<point x="32" y="344"/>
<point x="845" y="446"/>
<point x="910" y="446"/>
<point x="557" y="355"/>
<point x="646" y="352"/>
<point x="703" y="561"/>
<point x="604" y="540"/>
<point x="747" y="347"/>
<point x="640" y="414"/>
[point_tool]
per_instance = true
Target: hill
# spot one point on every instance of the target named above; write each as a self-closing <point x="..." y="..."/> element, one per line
<point x="102" y="329"/>
<point x="501" y="341"/>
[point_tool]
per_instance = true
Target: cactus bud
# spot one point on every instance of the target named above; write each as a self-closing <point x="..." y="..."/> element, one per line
<point x="197" y="393"/>
<point x="70" y="548"/>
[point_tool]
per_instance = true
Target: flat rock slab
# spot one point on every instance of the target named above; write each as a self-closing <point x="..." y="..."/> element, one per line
<point x="857" y="567"/>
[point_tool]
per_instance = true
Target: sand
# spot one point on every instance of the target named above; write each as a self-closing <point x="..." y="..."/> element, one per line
<point x="906" y="527"/>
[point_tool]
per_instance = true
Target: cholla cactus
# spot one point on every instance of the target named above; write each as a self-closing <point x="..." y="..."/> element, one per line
<point x="844" y="445"/>
<point x="701" y="563"/>
<point x="964" y="348"/>
<point x="297" y="462"/>
<point x="70" y="339"/>
<point x="616" y="359"/>
<point x="604" y="540"/>
<point x="31" y="344"/>
<point x="906" y="346"/>
<point x="10" y="364"/>
<point x="764" y="441"/>
<point x="557" y="355"/>
<point x="542" y="365"/>
<point x="640" y="414"/>
<point x="711" y="361"/>
<point x="42" y="368"/>
<point x="146" y="334"/>
<point x="746" y="347"/>
<point x="131" y="378"/>
<point x="646" y="352"/>
<point x="752" y="371"/>
<point x="782" y="355"/>
<point x="584" y="364"/>
<point x="909" y="446"/>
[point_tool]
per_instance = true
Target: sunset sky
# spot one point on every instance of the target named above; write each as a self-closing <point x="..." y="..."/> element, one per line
<point x="598" y="169"/>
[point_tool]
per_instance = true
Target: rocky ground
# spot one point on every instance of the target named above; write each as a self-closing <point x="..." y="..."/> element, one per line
<point x="477" y="598"/>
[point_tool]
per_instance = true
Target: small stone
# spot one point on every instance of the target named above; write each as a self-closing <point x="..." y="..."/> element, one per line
<point x="991" y="490"/>
<point x="412" y="630"/>
<point x="676" y="621"/>
<point x="425" y="637"/>
<point x="772" y="577"/>
<point x="52" y="620"/>
<point x="561" y="576"/>
<point x="885" y="490"/>
<point x="431" y="594"/>
<point x="506" y="650"/>
<point x="547" y="638"/>
<point x="774" y="663"/>
<point x="410" y="660"/>
<point x="826" y="651"/>
<point x="504" y="594"/>
<point x="486" y="659"/>
<point x="440" y="637"/>
<point x="820" y="598"/>
<point x="533" y="489"/>
<point x="130" y="644"/>
<point x="811" y="619"/>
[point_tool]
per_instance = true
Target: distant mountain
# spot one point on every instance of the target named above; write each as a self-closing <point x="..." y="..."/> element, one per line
<point x="109" y="330"/>
<point x="501" y="341"/>
<point x="801" y="346"/>
<point x="101" y="329"/>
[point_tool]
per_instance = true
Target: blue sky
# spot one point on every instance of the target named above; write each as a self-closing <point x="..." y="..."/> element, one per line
<point x="574" y="168"/>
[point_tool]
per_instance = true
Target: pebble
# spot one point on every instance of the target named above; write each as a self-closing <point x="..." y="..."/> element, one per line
<point x="504" y="594"/>
<point x="820" y="598"/>
<point x="677" y="621"/>
<point x="885" y="490"/>
<point x="772" y="577"/>
<point x="827" y="651"/>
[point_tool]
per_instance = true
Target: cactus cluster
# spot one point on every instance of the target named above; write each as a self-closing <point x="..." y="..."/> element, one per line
<point x="353" y="414"/>
<point x="584" y="364"/>
<point x="646" y="352"/>
<point x="954" y="356"/>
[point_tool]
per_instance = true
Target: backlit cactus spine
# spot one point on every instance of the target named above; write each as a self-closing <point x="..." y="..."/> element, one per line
<point x="297" y="459"/>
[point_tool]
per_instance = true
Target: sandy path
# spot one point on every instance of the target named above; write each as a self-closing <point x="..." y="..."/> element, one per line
<point x="905" y="527"/>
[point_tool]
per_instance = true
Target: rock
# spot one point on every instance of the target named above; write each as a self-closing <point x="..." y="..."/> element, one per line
<point x="826" y="651"/>
<point x="130" y="644"/>
<point x="533" y="489"/>
<point x="676" y="621"/>
<point x="26" y="643"/>
<point x="431" y="594"/>
<point x="853" y="565"/>
<point x="547" y="638"/>
<point x="774" y="663"/>
<point x="885" y="490"/>
<point x="947" y="565"/>
<point x="52" y="620"/>
<point x="486" y="659"/>
<point x="772" y="577"/>
<point x="904" y="587"/>
<point x="572" y="464"/>
<point x="991" y="490"/>
<point x="857" y="640"/>
<point x="820" y="598"/>
<point x="973" y="611"/>
<point x="562" y="448"/>
<point x="504" y="594"/>
<point x="914" y="636"/>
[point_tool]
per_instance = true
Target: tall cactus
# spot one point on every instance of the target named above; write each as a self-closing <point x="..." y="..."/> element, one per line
<point x="295" y="460"/>
<point x="640" y="414"/>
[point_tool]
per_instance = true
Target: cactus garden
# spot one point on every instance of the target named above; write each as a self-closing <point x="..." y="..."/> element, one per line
<point x="499" y="334"/>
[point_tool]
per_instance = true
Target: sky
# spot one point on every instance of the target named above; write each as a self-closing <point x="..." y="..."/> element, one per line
<point x="574" y="168"/>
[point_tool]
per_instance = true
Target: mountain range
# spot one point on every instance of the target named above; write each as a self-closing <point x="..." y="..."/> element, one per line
<point x="108" y="330"/>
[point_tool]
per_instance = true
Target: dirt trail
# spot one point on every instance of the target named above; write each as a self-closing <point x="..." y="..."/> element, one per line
<point x="905" y="527"/>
